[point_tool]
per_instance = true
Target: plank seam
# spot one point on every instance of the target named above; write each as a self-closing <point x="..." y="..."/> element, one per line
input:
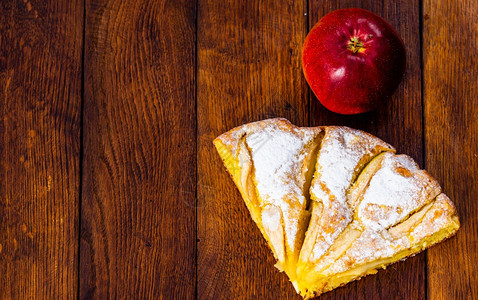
<point x="80" y="192"/>
<point x="422" y="95"/>
<point x="196" y="146"/>
<point x="307" y="28"/>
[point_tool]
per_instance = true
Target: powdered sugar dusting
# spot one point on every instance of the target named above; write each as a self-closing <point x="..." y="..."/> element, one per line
<point x="371" y="245"/>
<point x="394" y="192"/>
<point x="375" y="244"/>
<point x="339" y="161"/>
<point x="438" y="217"/>
<point x="336" y="164"/>
<point x="271" y="218"/>
<point x="278" y="156"/>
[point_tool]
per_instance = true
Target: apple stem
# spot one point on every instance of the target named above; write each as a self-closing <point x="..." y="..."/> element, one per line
<point x="355" y="45"/>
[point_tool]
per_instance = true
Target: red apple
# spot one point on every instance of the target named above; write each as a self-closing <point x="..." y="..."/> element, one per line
<point x="353" y="60"/>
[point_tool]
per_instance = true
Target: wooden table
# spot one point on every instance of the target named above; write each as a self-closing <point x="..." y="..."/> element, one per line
<point x="110" y="187"/>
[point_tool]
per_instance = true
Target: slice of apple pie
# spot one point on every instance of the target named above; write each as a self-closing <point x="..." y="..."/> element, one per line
<point x="333" y="203"/>
<point x="272" y="163"/>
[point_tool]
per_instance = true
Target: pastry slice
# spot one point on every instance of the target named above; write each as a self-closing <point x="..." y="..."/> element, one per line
<point x="333" y="203"/>
<point x="272" y="162"/>
<point x="397" y="211"/>
<point x="343" y="154"/>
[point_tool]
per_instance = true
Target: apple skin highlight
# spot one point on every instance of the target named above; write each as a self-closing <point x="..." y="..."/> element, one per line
<point x="353" y="60"/>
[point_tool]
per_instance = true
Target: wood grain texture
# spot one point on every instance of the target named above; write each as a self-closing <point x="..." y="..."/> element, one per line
<point x="248" y="69"/>
<point x="138" y="209"/>
<point x="399" y="123"/>
<point x="40" y="107"/>
<point x="159" y="217"/>
<point x="450" y="50"/>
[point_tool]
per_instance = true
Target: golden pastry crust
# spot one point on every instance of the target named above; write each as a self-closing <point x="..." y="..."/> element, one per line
<point x="334" y="203"/>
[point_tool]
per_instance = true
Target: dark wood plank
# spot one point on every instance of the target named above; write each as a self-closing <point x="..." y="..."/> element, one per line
<point x="40" y="106"/>
<point x="248" y="69"/>
<point x="138" y="237"/>
<point x="399" y="123"/>
<point x="451" y="111"/>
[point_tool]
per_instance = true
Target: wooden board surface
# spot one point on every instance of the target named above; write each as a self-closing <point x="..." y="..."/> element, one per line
<point x="40" y="108"/>
<point x="451" y="126"/>
<point x="137" y="211"/>
<point x="110" y="186"/>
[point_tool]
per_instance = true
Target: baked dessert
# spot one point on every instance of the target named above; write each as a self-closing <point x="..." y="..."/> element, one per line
<point x="272" y="163"/>
<point x="333" y="203"/>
